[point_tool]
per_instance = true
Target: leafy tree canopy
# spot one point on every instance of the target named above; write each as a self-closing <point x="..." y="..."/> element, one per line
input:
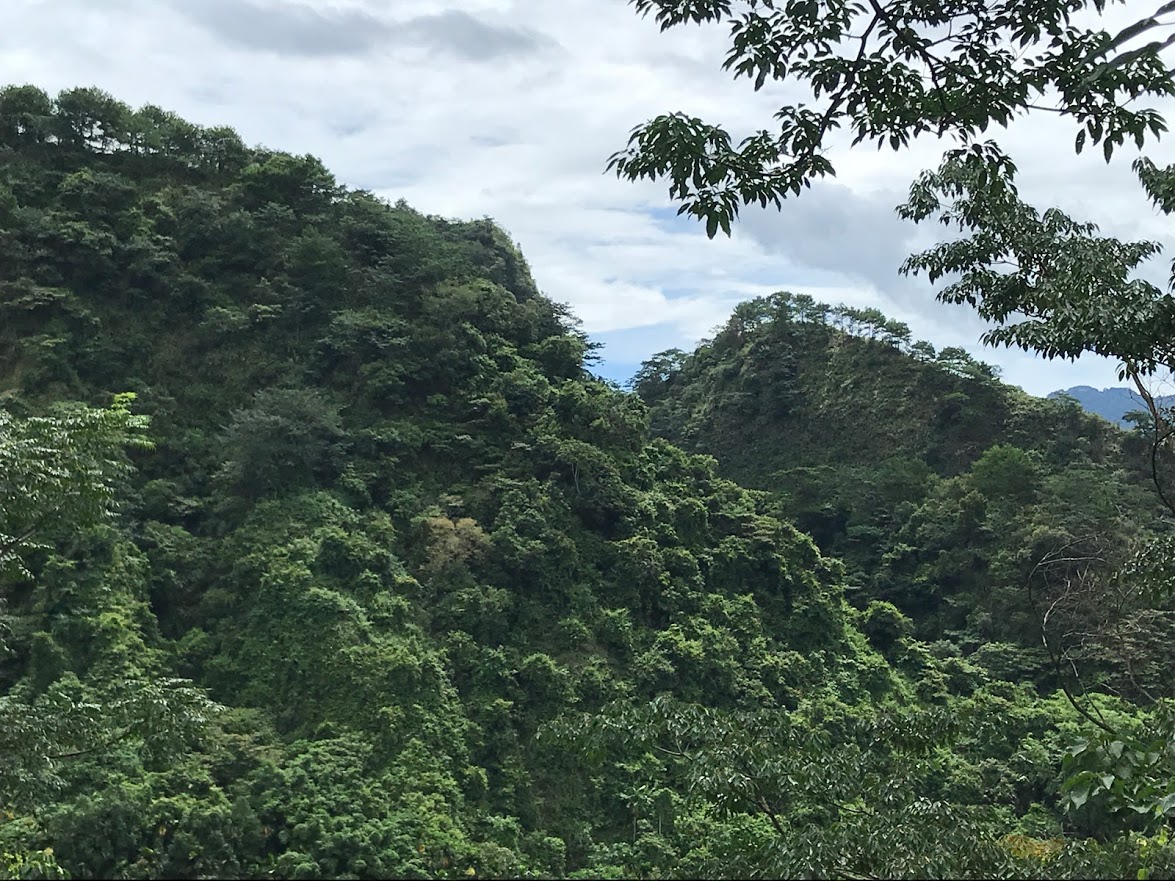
<point x="464" y="614"/>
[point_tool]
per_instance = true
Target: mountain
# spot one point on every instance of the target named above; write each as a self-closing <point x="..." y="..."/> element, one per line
<point x="1111" y="404"/>
<point x="390" y="524"/>
<point x="322" y="554"/>
<point x="941" y="488"/>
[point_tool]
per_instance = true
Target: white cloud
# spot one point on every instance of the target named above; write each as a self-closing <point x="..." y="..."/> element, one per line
<point x="510" y="108"/>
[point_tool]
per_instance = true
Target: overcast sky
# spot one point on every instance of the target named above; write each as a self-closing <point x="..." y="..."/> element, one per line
<point x="510" y="108"/>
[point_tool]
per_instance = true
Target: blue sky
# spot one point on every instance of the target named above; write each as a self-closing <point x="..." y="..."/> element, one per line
<point x="510" y="108"/>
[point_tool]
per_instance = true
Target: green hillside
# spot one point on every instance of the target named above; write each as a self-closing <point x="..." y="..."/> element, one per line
<point x="363" y="575"/>
<point x="945" y="491"/>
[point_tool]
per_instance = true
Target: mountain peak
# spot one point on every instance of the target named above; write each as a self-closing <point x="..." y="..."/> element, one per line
<point x="1111" y="404"/>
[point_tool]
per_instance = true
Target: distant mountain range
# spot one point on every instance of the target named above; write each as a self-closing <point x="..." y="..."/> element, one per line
<point x="1109" y="403"/>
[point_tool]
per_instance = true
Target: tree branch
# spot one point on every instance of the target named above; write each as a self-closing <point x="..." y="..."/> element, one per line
<point x="1162" y="432"/>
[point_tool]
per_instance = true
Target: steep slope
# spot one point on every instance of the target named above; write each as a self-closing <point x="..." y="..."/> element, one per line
<point x="944" y="490"/>
<point x="390" y="519"/>
<point x="460" y="613"/>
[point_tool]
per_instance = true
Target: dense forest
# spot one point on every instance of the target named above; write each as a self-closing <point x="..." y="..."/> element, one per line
<point x="947" y="493"/>
<point x="323" y="554"/>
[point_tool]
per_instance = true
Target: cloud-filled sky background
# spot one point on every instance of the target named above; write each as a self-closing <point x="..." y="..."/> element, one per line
<point x="510" y="108"/>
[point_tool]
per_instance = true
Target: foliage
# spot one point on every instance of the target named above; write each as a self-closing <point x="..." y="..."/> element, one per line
<point x="1051" y="284"/>
<point x="890" y="72"/>
<point x="60" y="470"/>
<point x="462" y="613"/>
<point x="1072" y="287"/>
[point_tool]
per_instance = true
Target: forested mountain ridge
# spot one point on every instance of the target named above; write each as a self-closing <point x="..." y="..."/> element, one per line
<point x="942" y="488"/>
<point x="397" y="589"/>
<point x="845" y="385"/>
<point x="387" y="509"/>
